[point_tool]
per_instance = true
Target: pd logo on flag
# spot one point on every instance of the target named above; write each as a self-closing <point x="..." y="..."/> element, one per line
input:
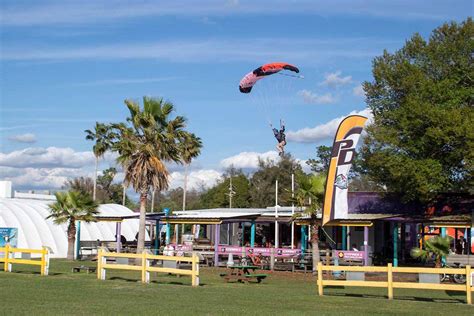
<point x="343" y="153"/>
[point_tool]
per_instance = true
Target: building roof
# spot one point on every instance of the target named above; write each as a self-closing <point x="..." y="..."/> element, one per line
<point x="213" y="216"/>
<point x="35" y="231"/>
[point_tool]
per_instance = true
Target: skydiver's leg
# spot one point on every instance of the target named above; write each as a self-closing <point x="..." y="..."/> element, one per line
<point x="282" y="146"/>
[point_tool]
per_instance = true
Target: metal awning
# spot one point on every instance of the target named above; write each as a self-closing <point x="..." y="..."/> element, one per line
<point x="121" y="218"/>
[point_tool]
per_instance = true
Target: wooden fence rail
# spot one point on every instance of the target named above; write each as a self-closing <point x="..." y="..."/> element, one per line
<point x="145" y="267"/>
<point x="390" y="284"/>
<point x="9" y="258"/>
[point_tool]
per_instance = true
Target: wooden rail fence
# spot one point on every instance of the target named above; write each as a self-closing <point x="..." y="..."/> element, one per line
<point x="390" y="284"/>
<point x="145" y="268"/>
<point x="9" y="258"/>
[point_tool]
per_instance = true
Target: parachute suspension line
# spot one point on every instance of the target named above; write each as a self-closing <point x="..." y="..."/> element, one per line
<point x="290" y="75"/>
<point x="259" y="98"/>
<point x="333" y="243"/>
<point x="281" y="94"/>
<point x="272" y="92"/>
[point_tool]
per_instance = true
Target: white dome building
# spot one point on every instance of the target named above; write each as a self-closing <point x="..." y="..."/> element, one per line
<point x="28" y="213"/>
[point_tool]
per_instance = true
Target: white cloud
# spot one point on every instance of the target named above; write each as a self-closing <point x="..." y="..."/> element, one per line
<point x="49" y="168"/>
<point x="196" y="179"/>
<point x="208" y="21"/>
<point x="334" y="79"/>
<point x="40" y="178"/>
<point x="23" y="138"/>
<point x="123" y="81"/>
<point x="313" y="98"/>
<point x="248" y="160"/>
<point x="97" y="11"/>
<point x="46" y="158"/>
<point x="358" y="91"/>
<point x="323" y="131"/>
<point x="215" y="50"/>
<point x="9" y="128"/>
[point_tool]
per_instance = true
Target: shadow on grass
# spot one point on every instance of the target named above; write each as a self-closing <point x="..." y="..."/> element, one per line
<point x="117" y="278"/>
<point x="169" y="282"/>
<point x="36" y="273"/>
<point x="430" y="300"/>
<point x="398" y="297"/>
<point x="27" y="272"/>
<point x="123" y="279"/>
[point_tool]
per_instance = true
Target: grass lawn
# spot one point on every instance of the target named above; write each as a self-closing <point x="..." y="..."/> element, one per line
<point x="63" y="292"/>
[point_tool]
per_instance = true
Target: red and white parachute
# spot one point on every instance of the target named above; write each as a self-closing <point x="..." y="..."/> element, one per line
<point x="249" y="80"/>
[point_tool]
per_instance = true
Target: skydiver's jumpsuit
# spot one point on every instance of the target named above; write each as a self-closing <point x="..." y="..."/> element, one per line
<point x="281" y="138"/>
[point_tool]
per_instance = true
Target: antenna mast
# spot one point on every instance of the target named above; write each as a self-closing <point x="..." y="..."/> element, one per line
<point x="231" y="192"/>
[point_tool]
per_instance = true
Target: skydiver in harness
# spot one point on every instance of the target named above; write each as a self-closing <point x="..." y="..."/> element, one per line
<point x="280" y="137"/>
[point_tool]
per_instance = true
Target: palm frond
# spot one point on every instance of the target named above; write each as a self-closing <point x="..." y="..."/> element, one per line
<point x="72" y="205"/>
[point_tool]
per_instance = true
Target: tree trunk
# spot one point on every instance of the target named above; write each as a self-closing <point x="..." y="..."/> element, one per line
<point x="71" y="239"/>
<point x="95" y="178"/>
<point x="141" y="223"/>
<point x="315" y="246"/>
<point x="124" y="195"/>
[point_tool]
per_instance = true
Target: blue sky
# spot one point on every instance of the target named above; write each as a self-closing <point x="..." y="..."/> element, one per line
<point x="67" y="64"/>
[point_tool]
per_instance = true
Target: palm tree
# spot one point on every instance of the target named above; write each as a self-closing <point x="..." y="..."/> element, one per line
<point x="435" y="248"/>
<point x="102" y="140"/>
<point x="150" y="139"/>
<point x="70" y="207"/>
<point x="310" y="195"/>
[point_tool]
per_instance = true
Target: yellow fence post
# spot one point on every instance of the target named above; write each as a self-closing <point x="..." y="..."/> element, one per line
<point x="47" y="257"/>
<point x="99" y="264"/>
<point x="7" y="256"/>
<point x="468" y="285"/>
<point x="195" y="270"/>
<point x="144" y="261"/>
<point x="320" y="279"/>
<point x="43" y="261"/>
<point x="390" y="281"/>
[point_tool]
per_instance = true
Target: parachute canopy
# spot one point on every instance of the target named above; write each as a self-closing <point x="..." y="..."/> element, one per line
<point x="248" y="81"/>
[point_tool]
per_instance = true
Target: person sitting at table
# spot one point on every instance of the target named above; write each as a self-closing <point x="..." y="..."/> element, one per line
<point x="256" y="259"/>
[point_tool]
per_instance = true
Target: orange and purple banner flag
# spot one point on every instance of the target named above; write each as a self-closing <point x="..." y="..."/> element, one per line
<point x="335" y="205"/>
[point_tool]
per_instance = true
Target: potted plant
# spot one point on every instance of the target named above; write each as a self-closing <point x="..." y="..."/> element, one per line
<point x="435" y="249"/>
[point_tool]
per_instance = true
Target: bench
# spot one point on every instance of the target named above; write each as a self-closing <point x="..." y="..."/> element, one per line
<point x="259" y="277"/>
<point x="84" y="268"/>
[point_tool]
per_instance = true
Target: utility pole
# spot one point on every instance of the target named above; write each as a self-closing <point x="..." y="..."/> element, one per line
<point x="234" y="225"/>
<point x="185" y="185"/>
<point x="184" y="194"/>
<point x="292" y="210"/>
<point x="277" y="244"/>
<point x="231" y="192"/>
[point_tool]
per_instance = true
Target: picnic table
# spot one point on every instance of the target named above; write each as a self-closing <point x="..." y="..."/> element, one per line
<point x="243" y="274"/>
<point x="83" y="268"/>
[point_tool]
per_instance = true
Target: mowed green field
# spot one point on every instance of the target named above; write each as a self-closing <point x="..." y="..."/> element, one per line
<point x="63" y="292"/>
